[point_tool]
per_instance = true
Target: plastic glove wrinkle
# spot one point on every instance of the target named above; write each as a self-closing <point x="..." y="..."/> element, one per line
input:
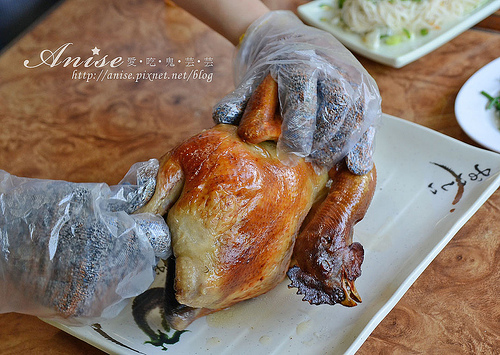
<point x="305" y="60"/>
<point x="71" y="251"/>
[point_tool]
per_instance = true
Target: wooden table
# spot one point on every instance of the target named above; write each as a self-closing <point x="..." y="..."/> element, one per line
<point x="56" y="126"/>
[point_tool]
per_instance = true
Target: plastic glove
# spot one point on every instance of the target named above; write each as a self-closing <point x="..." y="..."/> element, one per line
<point x="74" y="252"/>
<point x="330" y="105"/>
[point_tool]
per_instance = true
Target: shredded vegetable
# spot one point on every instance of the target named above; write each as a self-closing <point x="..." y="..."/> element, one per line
<point x="394" y="21"/>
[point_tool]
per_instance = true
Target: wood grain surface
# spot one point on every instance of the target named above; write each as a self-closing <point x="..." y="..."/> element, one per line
<point x="57" y="127"/>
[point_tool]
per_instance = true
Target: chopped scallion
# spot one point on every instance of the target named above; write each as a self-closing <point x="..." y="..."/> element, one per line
<point x="493" y="102"/>
<point x="392" y="40"/>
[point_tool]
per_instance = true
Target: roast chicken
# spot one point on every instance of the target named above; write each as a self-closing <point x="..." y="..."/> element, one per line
<point x="241" y="218"/>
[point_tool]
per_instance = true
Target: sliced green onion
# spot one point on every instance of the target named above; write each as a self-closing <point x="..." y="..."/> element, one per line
<point x="392" y="40"/>
<point x="492" y="101"/>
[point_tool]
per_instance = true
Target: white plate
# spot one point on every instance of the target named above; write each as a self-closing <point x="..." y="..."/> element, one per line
<point x="412" y="217"/>
<point x="394" y="55"/>
<point x="470" y="106"/>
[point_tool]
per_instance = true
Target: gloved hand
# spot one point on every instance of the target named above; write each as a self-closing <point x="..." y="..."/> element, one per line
<point x="73" y="251"/>
<point x="330" y="105"/>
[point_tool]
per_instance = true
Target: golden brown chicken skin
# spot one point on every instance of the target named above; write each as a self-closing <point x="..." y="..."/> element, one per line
<point x="235" y="210"/>
<point x="326" y="262"/>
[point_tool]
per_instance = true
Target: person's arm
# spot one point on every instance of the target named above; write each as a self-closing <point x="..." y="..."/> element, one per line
<point x="228" y="17"/>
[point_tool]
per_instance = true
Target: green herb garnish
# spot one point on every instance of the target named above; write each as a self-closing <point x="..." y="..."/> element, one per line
<point x="493" y="102"/>
<point x="392" y="40"/>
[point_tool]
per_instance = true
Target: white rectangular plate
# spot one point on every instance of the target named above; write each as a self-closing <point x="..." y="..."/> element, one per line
<point x="313" y="13"/>
<point x="411" y="219"/>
